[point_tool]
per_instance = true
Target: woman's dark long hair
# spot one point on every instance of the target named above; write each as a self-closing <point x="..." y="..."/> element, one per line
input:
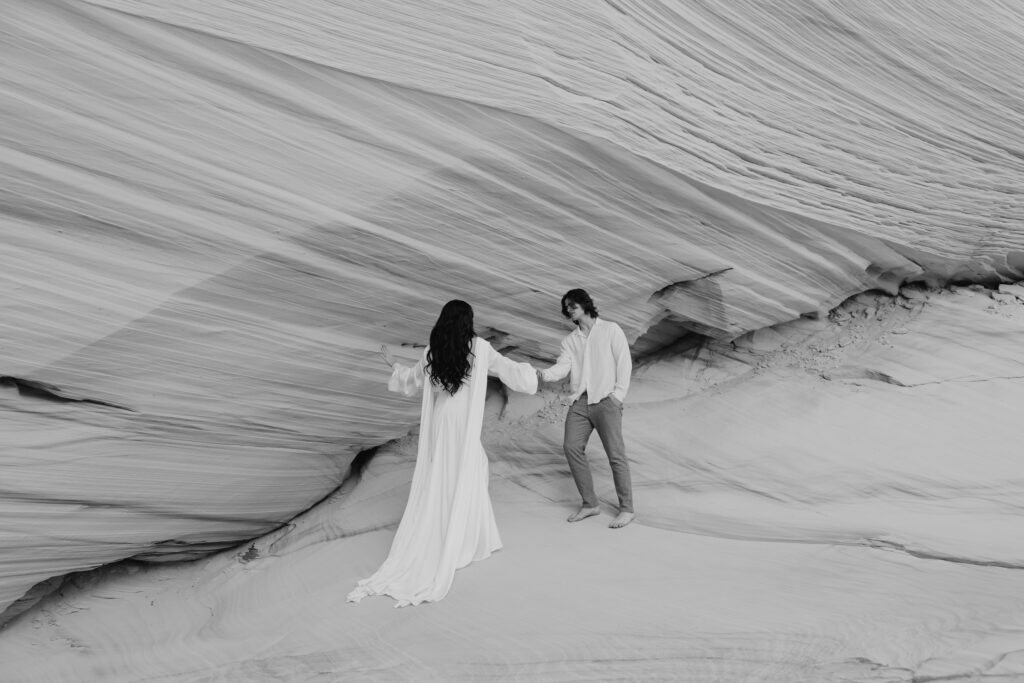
<point x="451" y="346"/>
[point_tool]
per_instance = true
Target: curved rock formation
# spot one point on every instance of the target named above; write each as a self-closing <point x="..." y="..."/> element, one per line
<point x="213" y="213"/>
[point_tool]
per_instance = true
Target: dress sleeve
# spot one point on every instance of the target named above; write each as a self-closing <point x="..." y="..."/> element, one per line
<point x="516" y="376"/>
<point x="407" y="379"/>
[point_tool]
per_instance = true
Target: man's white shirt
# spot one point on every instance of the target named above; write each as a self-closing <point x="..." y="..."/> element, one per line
<point x="597" y="363"/>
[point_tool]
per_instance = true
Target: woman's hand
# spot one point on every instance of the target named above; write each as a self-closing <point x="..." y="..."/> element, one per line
<point x="388" y="358"/>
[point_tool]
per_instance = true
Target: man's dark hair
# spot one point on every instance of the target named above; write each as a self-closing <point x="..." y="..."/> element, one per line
<point x="580" y="298"/>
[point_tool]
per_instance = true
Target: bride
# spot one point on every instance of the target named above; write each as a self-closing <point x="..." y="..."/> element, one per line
<point x="448" y="520"/>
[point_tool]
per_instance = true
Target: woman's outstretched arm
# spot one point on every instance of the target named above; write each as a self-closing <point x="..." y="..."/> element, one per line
<point x="516" y="376"/>
<point x="405" y="380"/>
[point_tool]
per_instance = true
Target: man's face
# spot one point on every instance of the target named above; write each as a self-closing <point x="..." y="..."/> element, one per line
<point x="575" y="311"/>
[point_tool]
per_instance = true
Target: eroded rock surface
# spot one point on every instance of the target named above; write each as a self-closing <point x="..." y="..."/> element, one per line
<point x="214" y="213"/>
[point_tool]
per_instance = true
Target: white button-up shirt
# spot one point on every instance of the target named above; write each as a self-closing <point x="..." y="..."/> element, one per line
<point x="597" y="363"/>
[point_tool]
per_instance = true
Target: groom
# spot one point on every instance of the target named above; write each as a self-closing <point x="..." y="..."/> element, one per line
<point x="596" y="357"/>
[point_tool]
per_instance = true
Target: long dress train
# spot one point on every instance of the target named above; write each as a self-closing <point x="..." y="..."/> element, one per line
<point x="448" y="520"/>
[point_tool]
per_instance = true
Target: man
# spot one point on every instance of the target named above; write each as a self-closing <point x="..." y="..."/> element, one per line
<point x="596" y="357"/>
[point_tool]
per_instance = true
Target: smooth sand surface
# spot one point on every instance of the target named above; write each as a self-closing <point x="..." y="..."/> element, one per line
<point x="560" y="602"/>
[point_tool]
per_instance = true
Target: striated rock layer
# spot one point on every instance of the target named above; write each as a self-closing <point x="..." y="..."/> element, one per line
<point x="212" y="213"/>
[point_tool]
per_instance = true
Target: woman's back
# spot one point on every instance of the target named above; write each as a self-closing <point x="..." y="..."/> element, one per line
<point x="448" y="520"/>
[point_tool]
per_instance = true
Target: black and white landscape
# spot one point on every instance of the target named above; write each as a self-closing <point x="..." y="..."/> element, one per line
<point x="807" y="216"/>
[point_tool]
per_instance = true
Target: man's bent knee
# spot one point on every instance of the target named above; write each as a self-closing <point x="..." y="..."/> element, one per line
<point x="573" y="450"/>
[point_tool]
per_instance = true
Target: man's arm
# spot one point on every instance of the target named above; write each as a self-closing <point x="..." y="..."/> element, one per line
<point x="562" y="366"/>
<point x="623" y="364"/>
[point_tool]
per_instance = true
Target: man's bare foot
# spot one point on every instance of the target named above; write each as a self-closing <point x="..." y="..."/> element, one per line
<point x="621" y="520"/>
<point x="583" y="513"/>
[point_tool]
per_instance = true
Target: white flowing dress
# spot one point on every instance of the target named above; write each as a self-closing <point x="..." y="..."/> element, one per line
<point x="448" y="520"/>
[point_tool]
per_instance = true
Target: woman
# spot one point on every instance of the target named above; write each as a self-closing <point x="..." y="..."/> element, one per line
<point x="448" y="521"/>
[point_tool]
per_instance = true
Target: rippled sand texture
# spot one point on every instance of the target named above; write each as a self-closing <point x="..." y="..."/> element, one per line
<point x="833" y="501"/>
<point x="212" y="213"/>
